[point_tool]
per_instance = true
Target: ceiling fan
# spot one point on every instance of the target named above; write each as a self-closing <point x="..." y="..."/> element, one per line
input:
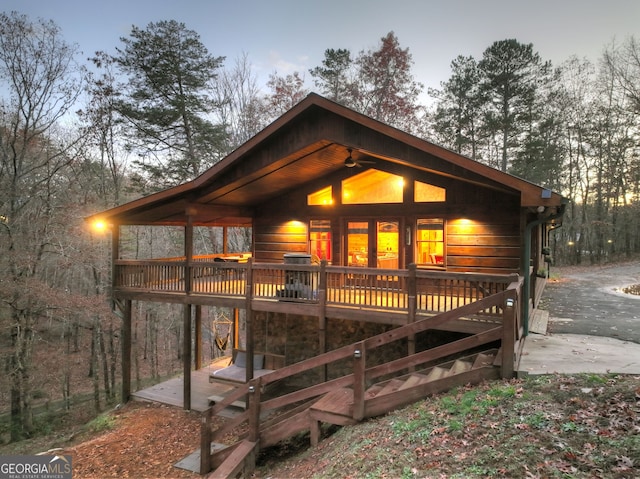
<point x="350" y="162"/>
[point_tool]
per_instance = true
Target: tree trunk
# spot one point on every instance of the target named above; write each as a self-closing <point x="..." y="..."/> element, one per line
<point x="94" y="367"/>
<point x="20" y="367"/>
<point x="103" y="358"/>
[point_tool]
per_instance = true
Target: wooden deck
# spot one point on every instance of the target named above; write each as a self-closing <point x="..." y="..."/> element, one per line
<point x="370" y="294"/>
<point x="170" y="392"/>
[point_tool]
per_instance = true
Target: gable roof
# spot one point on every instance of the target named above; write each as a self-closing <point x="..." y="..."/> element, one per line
<point x="309" y="141"/>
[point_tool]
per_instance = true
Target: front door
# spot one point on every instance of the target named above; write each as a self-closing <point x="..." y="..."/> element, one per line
<point x="373" y="243"/>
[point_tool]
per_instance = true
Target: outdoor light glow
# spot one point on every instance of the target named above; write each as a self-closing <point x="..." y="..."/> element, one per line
<point x="99" y="225"/>
<point x="570" y="243"/>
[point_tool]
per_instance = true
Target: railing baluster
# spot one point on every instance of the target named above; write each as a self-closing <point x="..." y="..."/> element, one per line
<point x="348" y="286"/>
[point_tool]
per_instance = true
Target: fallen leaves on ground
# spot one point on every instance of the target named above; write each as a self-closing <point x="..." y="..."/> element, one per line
<point x="145" y="442"/>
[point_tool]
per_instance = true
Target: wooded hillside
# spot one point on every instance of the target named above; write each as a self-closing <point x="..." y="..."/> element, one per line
<point x="78" y="137"/>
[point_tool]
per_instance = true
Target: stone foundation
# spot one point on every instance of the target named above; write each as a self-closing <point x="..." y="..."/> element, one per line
<point x="296" y="337"/>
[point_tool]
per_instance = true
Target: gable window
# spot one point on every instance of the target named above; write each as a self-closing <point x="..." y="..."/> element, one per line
<point x="430" y="241"/>
<point x="321" y="197"/>
<point x="372" y="187"/>
<point x="320" y="239"/>
<point x="425" y="193"/>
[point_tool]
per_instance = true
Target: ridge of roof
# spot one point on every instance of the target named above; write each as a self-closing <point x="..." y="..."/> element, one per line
<point x="315" y="100"/>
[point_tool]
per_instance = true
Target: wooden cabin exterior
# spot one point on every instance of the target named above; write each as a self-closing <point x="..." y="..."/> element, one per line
<point x="351" y="220"/>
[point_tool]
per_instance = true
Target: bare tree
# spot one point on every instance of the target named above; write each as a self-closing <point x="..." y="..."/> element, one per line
<point x="386" y="89"/>
<point x="624" y="63"/>
<point x="42" y="82"/>
<point x="240" y="103"/>
<point x="285" y="92"/>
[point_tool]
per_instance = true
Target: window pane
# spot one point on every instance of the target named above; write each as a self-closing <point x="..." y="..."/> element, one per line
<point x="388" y="244"/>
<point x="372" y="186"/>
<point x="320" y="239"/>
<point x="321" y="197"/>
<point x="358" y="243"/>
<point x="430" y="241"/>
<point x="424" y="192"/>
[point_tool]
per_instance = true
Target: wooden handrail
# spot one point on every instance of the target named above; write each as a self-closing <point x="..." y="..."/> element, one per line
<point x="361" y="375"/>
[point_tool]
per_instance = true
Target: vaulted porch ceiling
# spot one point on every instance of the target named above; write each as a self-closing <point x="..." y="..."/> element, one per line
<point x="309" y="142"/>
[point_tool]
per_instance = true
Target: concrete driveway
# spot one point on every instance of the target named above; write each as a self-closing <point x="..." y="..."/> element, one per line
<point x="589" y="300"/>
<point x="593" y="327"/>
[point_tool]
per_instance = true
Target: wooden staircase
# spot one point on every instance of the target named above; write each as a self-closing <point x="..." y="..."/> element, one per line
<point x="337" y="407"/>
<point x="367" y="389"/>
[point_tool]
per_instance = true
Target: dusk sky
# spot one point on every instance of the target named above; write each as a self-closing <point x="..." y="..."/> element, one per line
<point x="291" y="35"/>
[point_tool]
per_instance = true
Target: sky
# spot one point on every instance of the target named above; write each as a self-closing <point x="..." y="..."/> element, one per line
<point x="284" y="36"/>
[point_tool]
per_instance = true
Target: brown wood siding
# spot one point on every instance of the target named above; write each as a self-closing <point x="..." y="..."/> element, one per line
<point x="274" y="238"/>
<point x="482" y="225"/>
<point x="483" y="246"/>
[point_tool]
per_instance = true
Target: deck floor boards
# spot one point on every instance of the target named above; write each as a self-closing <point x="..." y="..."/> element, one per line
<point x="170" y="392"/>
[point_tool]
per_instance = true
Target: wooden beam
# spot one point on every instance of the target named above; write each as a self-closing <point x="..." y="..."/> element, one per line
<point x="249" y="323"/>
<point x="188" y="252"/>
<point x="126" y="351"/>
<point x="115" y="253"/>
<point x="186" y="357"/>
<point x="197" y="340"/>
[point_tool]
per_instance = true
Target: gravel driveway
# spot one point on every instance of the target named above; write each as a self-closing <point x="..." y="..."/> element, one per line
<point x="588" y="300"/>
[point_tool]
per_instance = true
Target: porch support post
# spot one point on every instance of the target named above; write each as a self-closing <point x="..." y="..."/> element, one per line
<point x="197" y="341"/>
<point x="322" y="316"/>
<point x="115" y="255"/>
<point x="509" y="331"/>
<point x="186" y="357"/>
<point x="188" y="253"/>
<point x="236" y="329"/>
<point x="249" y="320"/>
<point x="411" y="306"/>
<point x="126" y="351"/>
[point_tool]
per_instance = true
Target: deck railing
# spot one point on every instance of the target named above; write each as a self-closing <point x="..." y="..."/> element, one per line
<point x="426" y="291"/>
<point x="361" y="374"/>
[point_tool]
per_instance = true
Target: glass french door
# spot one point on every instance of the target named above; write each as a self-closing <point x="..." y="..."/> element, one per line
<point x="373" y="243"/>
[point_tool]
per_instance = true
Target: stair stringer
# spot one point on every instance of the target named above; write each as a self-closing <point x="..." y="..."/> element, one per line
<point x="379" y="405"/>
<point x="304" y="419"/>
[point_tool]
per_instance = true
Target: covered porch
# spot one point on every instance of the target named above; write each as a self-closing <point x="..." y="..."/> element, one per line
<point x="387" y="297"/>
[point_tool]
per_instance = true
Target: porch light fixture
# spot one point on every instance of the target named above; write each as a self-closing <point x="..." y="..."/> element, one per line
<point x="100" y="226"/>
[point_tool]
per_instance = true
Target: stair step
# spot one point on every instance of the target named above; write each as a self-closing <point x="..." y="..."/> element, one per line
<point x="437" y="373"/>
<point x="390" y="387"/>
<point x="459" y="366"/>
<point x="484" y="359"/>
<point x="372" y="391"/>
<point x="414" y="380"/>
<point x="339" y="401"/>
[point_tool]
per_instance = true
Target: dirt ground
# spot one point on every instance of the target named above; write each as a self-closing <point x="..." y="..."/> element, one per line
<point x="145" y="441"/>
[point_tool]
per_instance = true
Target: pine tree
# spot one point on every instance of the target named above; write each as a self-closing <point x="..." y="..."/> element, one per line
<point x="167" y="101"/>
